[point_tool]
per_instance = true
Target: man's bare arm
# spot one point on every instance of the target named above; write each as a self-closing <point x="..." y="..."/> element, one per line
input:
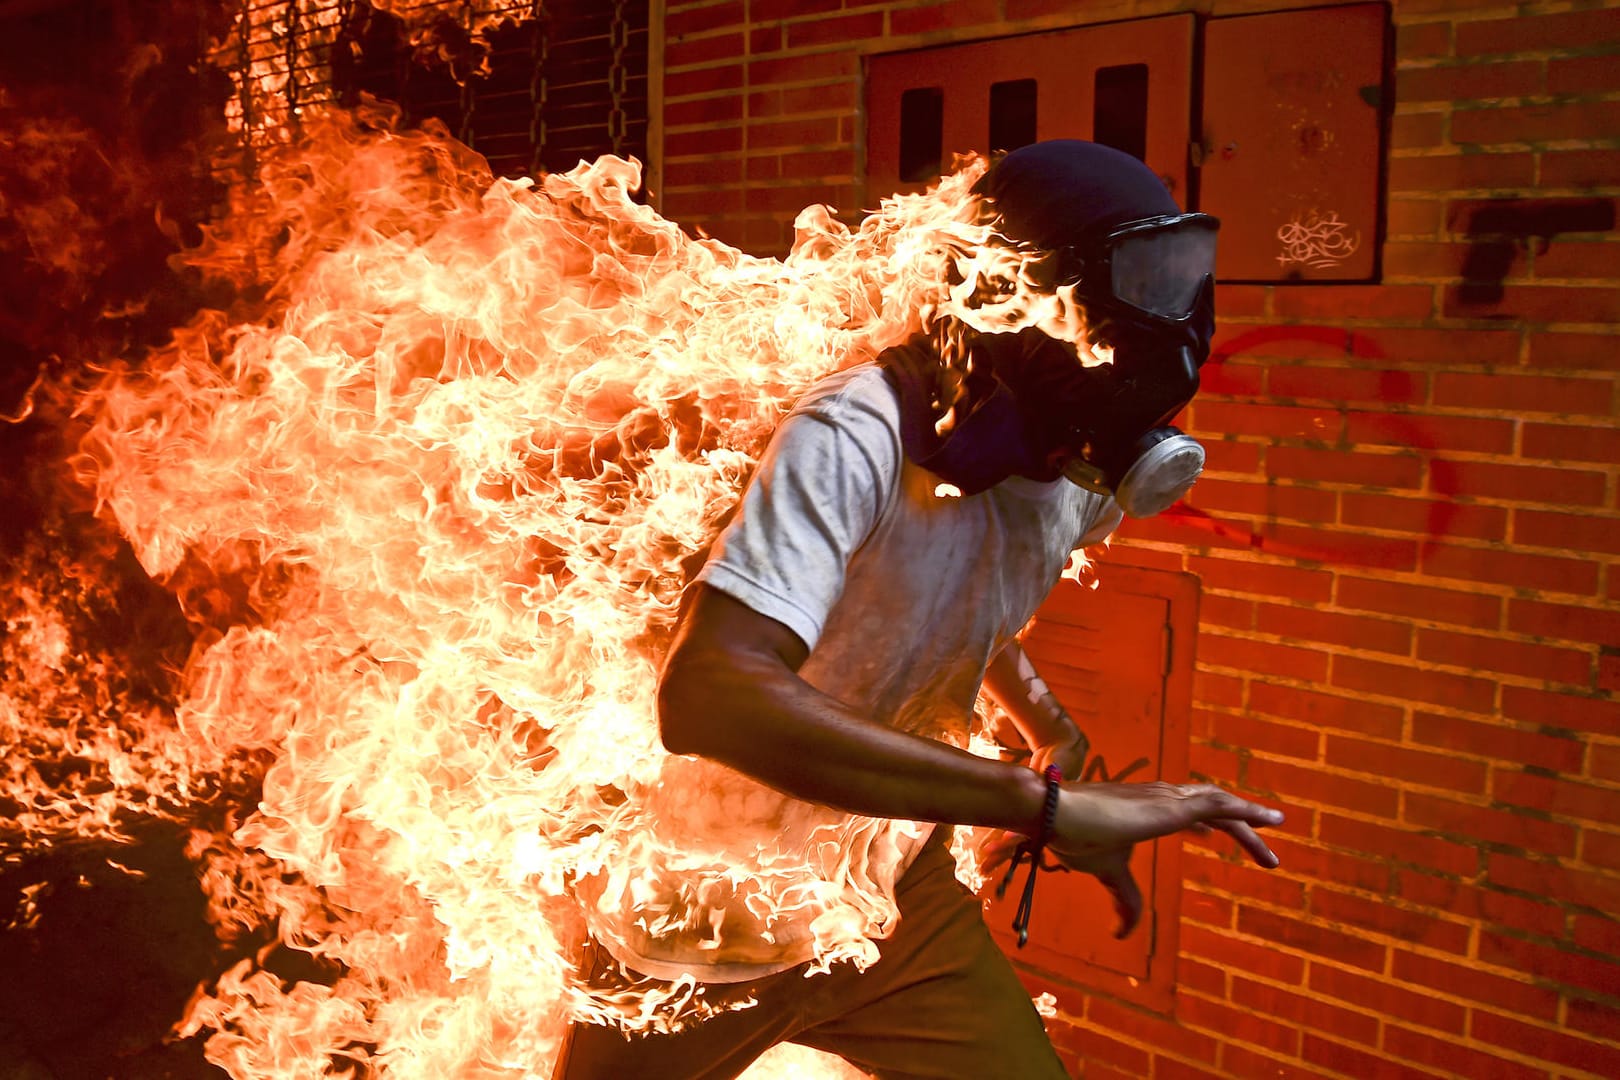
<point x="1045" y="726"/>
<point x="730" y="691"/>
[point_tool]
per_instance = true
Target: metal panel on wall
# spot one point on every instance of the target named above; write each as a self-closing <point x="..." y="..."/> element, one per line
<point x="1120" y="659"/>
<point x="1127" y="84"/>
<point x="1291" y="142"/>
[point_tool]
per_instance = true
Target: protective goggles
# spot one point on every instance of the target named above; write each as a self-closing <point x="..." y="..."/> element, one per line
<point x="1156" y="266"/>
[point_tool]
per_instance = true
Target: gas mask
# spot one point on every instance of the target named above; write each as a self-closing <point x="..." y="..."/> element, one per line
<point x="1148" y="288"/>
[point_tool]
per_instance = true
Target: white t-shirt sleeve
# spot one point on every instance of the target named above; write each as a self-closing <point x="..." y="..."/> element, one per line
<point x="830" y="472"/>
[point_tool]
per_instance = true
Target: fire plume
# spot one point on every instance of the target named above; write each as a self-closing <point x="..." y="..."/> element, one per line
<point x="427" y="496"/>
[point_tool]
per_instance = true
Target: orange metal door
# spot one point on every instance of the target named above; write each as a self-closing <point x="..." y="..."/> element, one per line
<point x="1119" y="659"/>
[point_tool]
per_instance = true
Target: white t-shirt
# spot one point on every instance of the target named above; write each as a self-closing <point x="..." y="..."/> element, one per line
<point x="903" y="596"/>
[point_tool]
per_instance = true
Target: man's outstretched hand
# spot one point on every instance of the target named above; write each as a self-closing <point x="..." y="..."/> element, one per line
<point x="1098" y="824"/>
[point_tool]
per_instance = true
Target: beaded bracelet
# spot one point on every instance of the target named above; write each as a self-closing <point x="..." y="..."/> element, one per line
<point x="1032" y="849"/>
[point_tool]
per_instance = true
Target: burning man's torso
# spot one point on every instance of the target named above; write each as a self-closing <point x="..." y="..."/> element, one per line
<point x="740" y="880"/>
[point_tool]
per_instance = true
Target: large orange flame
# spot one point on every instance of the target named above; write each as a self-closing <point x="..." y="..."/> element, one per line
<point x="429" y="497"/>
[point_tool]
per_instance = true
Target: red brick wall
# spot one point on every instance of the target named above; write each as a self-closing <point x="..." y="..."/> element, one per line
<point x="1408" y="541"/>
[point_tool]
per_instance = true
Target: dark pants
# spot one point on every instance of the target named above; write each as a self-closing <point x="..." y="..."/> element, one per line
<point x="941" y="1002"/>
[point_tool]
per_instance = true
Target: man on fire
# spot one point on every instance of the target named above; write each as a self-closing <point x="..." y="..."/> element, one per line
<point x="818" y="697"/>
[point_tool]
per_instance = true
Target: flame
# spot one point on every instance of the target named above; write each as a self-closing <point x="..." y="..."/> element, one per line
<point x="427" y="496"/>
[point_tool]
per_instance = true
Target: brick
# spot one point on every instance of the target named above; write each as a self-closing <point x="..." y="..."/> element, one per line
<point x="1595" y="973"/>
<point x="1578" y="261"/>
<point x="1202" y="907"/>
<point x="1230" y="612"/>
<point x="1497" y="654"/>
<point x="1412" y="217"/>
<point x="679" y="84"/>
<point x="1556" y="881"/>
<point x="1483" y="823"/>
<point x="1228" y="378"/>
<point x="1349" y="1061"/>
<point x="1340" y="547"/>
<point x="1384" y="996"/>
<point x="1246" y="732"/>
<point x="819" y="165"/>
<point x="1227" y="455"/>
<point x="1415" y="40"/>
<point x="1399" y="844"/>
<point x="1364" y="301"/>
<point x="1315" y="786"/>
<point x="1240" y="1060"/>
<point x="1263" y="657"/>
<point x="1234" y="954"/>
<point x="1523" y="393"/>
<point x="1537" y="32"/>
<point x="830" y="31"/>
<point x="1598" y="933"/>
<point x="1564" y="710"/>
<point x="689" y="53"/>
<point x="1594" y="1017"/>
<point x="1451" y="172"/>
<point x="765" y="40"/>
<point x="1262" y="579"/>
<point x="772" y="10"/>
<point x="1568" y="622"/>
<point x="1580" y="169"/>
<point x="1363" y="385"/>
<point x="1568" y="442"/>
<point x="1468" y="82"/>
<point x="1358" y="632"/>
<point x="1486" y="905"/>
<point x="1412" y="131"/>
<point x="1567" y="532"/>
<point x="1520" y="483"/>
<point x="1205" y="978"/>
<point x="810" y="67"/>
<point x="1168" y="1068"/>
<point x="1424" y="517"/>
<point x="704" y="173"/>
<point x="1422" y="767"/>
<point x="946" y="16"/>
<point x="1325" y="710"/>
<point x="1547" y="1044"/>
<point x="803" y="131"/>
<point x="1276" y="421"/>
<point x="1404" y="681"/>
<point x="1260" y="1029"/>
<point x="1535" y="123"/>
<point x="1603" y="763"/>
<point x="1245" y="882"/>
<point x="708" y="142"/>
<point x="1454" y="259"/>
<point x="1396" y="470"/>
<point x="1562" y="796"/>
<point x="1424" y="602"/>
<point x="1449" y="1054"/>
<point x="1308" y="937"/>
<point x="1496" y="739"/>
<point x="1270" y="501"/>
<point x="696" y="20"/>
<point x="1308" y="1012"/>
<point x="1155" y="1031"/>
<point x="1547" y="572"/>
<point x="1450" y="346"/>
<point x="1408" y="924"/>
<point x="1094" y="1045"/>
<point x="1430" y="432"/>
<point x="1538" y="303"/>
<point x="1553" y="349"/>
<point x="1313" y="863"/>
<point x="1467" y="981"/>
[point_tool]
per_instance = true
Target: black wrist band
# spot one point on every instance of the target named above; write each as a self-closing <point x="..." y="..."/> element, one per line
<point x="1032" y="849"/>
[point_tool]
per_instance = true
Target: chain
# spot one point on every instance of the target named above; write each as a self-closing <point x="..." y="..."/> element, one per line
<point x="618" y="39"/>
<point x="539" y="87"/>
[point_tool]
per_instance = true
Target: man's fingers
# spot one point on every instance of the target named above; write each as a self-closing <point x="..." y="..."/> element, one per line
<point x="1249" y="841"/>
<point x="998" y="851"/>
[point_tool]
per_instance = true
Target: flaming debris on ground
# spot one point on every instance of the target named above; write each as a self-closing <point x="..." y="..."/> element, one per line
<point x="427" y="497"/>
